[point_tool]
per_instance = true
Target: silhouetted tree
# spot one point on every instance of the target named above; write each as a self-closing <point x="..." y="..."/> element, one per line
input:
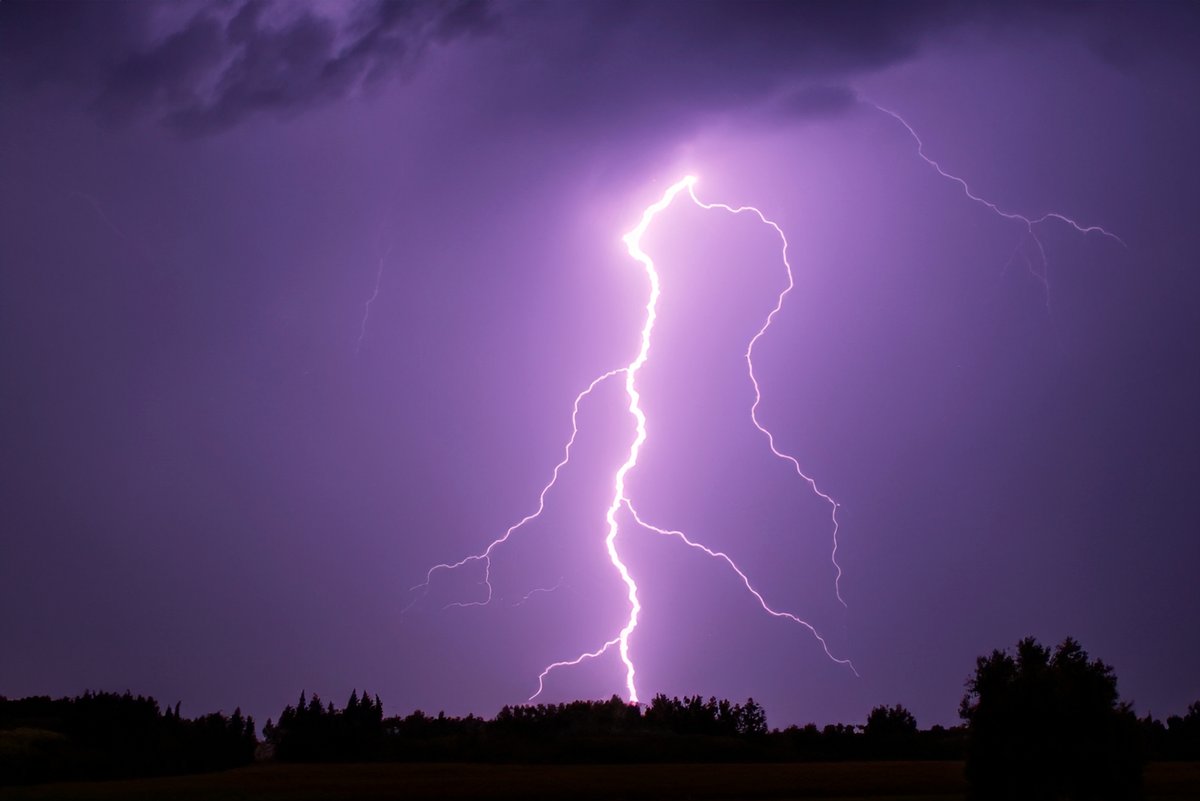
<point x="890" y="733"/>
<point x="753" y="719"/>
<point x="1047" y="725"/>
<point x="106" y="735"/>
<point x="694" y="715"/>
<point x="1183" y="734"/>
<point x="310" y="732"/>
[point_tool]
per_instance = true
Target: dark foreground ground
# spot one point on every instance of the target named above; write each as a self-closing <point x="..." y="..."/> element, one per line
<point x="844" y="781"/>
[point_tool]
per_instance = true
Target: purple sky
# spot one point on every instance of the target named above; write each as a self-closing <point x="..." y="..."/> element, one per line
<point x="212" y="490"/>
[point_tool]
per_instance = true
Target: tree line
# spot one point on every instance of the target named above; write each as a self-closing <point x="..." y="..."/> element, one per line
<point x="1038" y="723"/>
<point x="109" y="736"/>
<point x="666" y="729"/>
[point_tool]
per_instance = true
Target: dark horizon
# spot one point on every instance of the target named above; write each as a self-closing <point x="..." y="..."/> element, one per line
<point x="295" y="299"/>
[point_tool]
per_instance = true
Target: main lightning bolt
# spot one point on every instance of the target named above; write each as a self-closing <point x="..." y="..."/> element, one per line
<point x="620" y="498"/>
<point x="633" y="241"/>
<point x="1026" y="221"/>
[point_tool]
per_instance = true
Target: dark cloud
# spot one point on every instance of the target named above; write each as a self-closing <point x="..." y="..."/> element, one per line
<point x="574" y="63"/>
<point x="64" y="42"/>
<point x="165" y="75"/>
<point x="717" y="54"/>
<point x="258" y="67"/>
<point x="229" y="61"/>
<point x="1129" y="36"/>
<point x="630" y="58"/>
<point x="822" y="100"/>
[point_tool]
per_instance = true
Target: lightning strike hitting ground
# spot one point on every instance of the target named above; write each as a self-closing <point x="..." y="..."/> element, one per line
<point x="619" y="498"/>
<point x="633" y="243"/>
<point x="1026" y="221"/>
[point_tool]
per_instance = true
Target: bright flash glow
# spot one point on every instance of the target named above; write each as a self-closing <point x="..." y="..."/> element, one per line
<point x="619" y="499"/>
<point x="633" y="243"/>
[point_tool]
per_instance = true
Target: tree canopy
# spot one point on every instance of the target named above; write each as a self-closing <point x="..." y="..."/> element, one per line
<point x="1045" y="723"/>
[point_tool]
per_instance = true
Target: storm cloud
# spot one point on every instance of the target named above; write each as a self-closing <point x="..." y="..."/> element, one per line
<point x="204" y="67"/>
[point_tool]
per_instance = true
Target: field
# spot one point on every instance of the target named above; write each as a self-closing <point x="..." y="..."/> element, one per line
<point x="844" y="781"/>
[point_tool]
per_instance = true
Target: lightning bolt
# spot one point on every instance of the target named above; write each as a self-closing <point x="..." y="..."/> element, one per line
<point x="576" y="661"/>
<point x="633" y="241"/>
<point x="745" y="581"/>
<point x="619" y="498"/>
<point x="485" y="556"/>
<point x="749" y="356"/>
<point x="537" y="590"/>
<point x="1026" y="221"/>
<point x="362" y="328"/>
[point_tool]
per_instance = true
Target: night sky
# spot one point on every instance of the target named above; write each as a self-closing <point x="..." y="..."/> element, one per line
<point x="295" y="299"/>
